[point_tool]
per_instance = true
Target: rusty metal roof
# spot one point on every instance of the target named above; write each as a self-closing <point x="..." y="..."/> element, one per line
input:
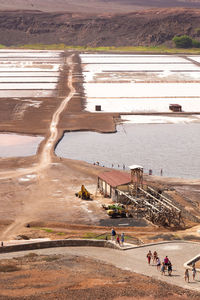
<point x="115" y="178"/>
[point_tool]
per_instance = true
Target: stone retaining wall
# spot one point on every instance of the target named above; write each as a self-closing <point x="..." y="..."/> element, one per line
<point x="58" y="243"/>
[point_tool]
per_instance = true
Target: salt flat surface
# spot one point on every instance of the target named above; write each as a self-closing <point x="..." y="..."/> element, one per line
<point x="15" y="68"/>
<point x="24" y="73"/>
<point x="30" y="60"/>
<point x="140" y="67"/>
<point x="142" y="119"/>
<point x="131" y="59"/>
<point x="28" y="79"/>
<point x="143" y="105"/>
<point x="27" y="73"/>
<point x="24" y="53"/>
<point x="28" y="86"/>
<point x="195" y="58"/>
<point x="109" y="90"/>
<point x="13" y="145"/>
<point x="167" y="76"/>
<point x="27" y="93"/>
<point x="107" y="78"/>
<point x="116" y="58"/>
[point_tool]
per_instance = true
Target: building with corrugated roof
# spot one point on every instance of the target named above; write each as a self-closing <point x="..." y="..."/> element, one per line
<point x="108" y="182"/>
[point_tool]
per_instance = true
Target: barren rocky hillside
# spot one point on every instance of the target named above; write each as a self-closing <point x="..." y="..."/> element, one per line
<point x="145" y="27"/>
<point x="94" y="6"/>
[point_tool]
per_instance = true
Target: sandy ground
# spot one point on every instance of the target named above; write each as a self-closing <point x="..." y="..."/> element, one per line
<point x="40" y="189"/>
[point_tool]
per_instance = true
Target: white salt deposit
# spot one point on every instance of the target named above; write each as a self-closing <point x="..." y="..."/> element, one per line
<point x="140" y="67"/>
<point x="29" y="73"/>
<point x="112" y="58"/>
<point x="28" y="79"/>
<point x="120" y="83"/>
<point x="195" y="58"/>
<point x="37" y="68"/>
<point x="28" y="86"/>
<point x="116" y="90"/>
<point x="27" y="177"/>
<point x="27" y="93"/>
<point x="142" y="119"/>
<point x="31" y="103"/>
<point x="142" y="105"/>
<point x="25" y="73"/>
<point x="28" y="53"/>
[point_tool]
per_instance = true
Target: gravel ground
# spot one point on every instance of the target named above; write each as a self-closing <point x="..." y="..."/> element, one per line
<point x="47" y="275"/>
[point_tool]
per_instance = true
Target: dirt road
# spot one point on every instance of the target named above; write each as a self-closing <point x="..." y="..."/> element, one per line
<point x="48" y="148"/>
<point x="45" y="160"/>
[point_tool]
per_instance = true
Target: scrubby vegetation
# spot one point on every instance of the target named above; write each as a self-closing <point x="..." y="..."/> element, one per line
<point x="184" y="41"/>
<point x="145" y="49"/>
<point x="192" y="48"/>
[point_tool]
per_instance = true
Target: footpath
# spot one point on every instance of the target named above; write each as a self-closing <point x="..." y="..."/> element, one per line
<point x="134" y="259"/>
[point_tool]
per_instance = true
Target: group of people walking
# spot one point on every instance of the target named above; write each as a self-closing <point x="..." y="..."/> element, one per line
<point x="187" y="274"/>
<point x="166" y="265"/>
<point x="119" y="239"/>
<point x="163" y="266"/>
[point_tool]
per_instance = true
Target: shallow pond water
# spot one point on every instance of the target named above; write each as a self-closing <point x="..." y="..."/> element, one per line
<point x="14" y="145"/>
<point x="174" y="148"/>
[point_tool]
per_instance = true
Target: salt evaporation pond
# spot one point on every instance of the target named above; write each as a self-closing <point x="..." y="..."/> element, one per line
<point x="174" y="148"/>
<point x="26" y="73"/>
<point x="141" y="83"/>
<point x="14" y="145"/>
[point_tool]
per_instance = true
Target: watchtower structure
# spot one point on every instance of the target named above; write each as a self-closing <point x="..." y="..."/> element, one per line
<point x="136" y="177"/>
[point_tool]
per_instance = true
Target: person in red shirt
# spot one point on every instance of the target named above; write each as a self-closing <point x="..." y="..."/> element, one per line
<point x="166" y="261"/>
<point x="149" y="256"/>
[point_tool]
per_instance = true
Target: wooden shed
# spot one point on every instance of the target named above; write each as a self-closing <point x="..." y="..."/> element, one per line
<point x="108" y="182"/>
<point x="175" y="107"/>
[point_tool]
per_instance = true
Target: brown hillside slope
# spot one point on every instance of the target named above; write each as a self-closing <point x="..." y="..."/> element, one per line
<point x="155" y="26"/>
<point x="94" y="6"/>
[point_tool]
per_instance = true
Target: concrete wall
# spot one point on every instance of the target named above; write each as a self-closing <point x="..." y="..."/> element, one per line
<point x="188" y="264"/>
<point x="58" y="243"/>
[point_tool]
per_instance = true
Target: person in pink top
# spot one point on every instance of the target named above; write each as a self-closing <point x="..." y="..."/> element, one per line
<point x="166" y="261"/>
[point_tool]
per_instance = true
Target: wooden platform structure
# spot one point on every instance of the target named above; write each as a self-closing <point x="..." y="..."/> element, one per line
<point x="144" y="201"/>
<point x="153" y="206"/>
<point x="141" y="200"/>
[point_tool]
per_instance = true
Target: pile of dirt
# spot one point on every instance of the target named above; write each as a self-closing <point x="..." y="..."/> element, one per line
<point x="145" y="27"/>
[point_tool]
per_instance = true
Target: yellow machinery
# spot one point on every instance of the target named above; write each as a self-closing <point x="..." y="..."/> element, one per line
<point x="116" y="210"/>
<point x="83" y="193"/>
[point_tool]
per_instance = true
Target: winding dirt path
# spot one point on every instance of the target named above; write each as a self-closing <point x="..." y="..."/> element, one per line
<point x="45" y="159"/>
<point x="45" y="156"/>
